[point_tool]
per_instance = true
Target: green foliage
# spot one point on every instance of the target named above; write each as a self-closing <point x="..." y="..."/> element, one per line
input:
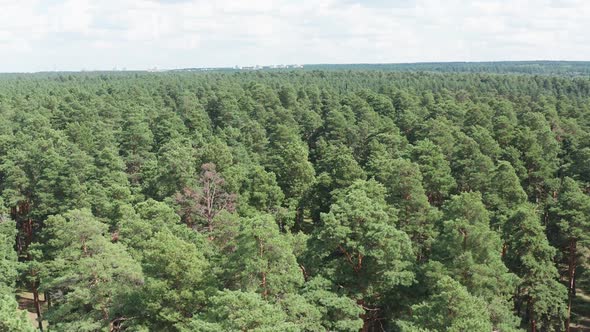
<point x="241" y="311"/>
<point x="359" y="246"/>
<point x="11" y="318"/>
<point x="573" y="212"/>
<point x="258" y="189"/>
<point x="177" y="281"/>
<point x="8" y="259"/>
<point x="416" y="217"/>
<point x="338" y="312"/>
<point x="305" y="200"/>
<point x="87" y="275"/>
<point x="287" y="158"/>
<point x="263" y="259"/>
<point x="450" y="308"/>
<point x="540" y="297"/>
<point x="469" y="249"/>
<point x="505" y="194"/>
<point x="435" y="170"/>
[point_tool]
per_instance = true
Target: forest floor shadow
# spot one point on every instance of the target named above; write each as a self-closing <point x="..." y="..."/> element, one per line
<point x="581" y="304"/>
<point x="25" y="302"/>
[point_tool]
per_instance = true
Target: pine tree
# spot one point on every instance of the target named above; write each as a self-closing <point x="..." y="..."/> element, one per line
<point x="470" y="251"/>
<point x="263" y="260"/>
<point x="88" y="276"/>
<point x="573" y="220"/>
<point x="416" y="217"/>
<point x="540" y="299"/>
<point x="361" y="249"/>
<point x="450" y="308"/>
<point x="11" y="318"/>
<point x="436" y="171"/>
<point x="505" y="194"/>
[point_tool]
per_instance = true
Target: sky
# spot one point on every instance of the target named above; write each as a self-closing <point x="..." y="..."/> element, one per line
<point x="44" y="35"/>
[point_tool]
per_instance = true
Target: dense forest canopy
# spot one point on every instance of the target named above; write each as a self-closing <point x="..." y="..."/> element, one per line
<point x="301" y="200"/>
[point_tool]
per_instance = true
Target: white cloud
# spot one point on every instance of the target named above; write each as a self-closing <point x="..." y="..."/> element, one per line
<point x="75" y="34"/>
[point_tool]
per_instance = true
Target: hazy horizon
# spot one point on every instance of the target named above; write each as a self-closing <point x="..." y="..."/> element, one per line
<point x="74" y="35"/>
<point x="302" y="65"/>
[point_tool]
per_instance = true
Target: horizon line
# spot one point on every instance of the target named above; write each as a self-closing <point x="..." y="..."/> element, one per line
<point x="289" y="66"/>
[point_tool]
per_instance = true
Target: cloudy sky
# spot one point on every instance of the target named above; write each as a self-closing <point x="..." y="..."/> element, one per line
<point x="37" y="35"/>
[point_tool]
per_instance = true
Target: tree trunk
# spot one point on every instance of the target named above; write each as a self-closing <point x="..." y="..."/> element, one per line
<point x="365" y="325"/>
<point x="20" y="214"/>
<point x="264" y="289"/>
<point x="262" y="273"/>
<point x="37" y="304"/>
<point x="571" y="273"/>
<point x="464" y="232"/>
<point x="364" y="316"/>
<point x="298" y="218"/>
<point x="531" y="315"/>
